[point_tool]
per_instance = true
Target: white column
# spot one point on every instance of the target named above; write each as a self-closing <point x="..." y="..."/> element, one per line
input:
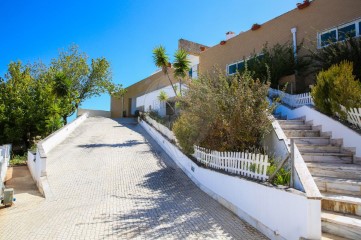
<point x="293" y="31"/>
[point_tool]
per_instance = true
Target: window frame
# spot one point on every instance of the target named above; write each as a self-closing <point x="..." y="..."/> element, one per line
<point x="356" y="23"/>
<point x="238" y="62"/>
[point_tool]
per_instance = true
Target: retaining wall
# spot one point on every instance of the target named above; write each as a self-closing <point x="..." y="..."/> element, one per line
<point x="277" y="213"/>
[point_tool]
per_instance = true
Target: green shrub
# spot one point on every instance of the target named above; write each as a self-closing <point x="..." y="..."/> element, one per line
<point x="335" y="53"/>
<point x="223" y="113"/>
<point x="282" y="177"/>
<point x="336" y="86"/>
<point x="274" y="63"/>
<point x="18" y="160"/>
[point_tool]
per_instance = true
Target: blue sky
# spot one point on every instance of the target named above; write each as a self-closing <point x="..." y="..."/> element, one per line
<point x="123" y="31"/>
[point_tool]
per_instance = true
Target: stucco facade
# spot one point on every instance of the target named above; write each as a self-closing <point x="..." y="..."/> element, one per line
<point x="319" y="16"/>
<point x="126" y="105"/>
<point x="307" y="23"/>
<point x="156" y="81"/>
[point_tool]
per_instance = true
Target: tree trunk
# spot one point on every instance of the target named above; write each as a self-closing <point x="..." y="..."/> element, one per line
<point x="170" y="81"/>
<point x="180" y="87"/>
<point x="65" y="120"/>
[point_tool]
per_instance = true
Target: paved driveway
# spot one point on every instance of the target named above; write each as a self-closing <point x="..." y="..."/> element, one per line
<point x="110" y="180"/>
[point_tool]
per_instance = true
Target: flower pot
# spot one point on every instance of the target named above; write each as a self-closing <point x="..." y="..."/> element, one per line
<point x="223" y="42"/>
<point x="303" y="5"/>
<point x="255" y="27"/>
<point x="202" y="48"/>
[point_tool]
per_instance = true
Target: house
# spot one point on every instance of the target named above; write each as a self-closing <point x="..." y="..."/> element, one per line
<point x="143" y="95"/>
<point x="315" y="23"/>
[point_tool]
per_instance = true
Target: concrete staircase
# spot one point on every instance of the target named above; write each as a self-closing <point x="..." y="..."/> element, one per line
<point x="338" y="179"/>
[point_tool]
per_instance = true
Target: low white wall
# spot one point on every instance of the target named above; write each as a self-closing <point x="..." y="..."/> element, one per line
<point x="161" y="128"/>
<point x="35" y="169"/>
<point x="38" y="167"/>
<point x="3" y="166"/>
<point x="57" y="137"/>
<point x="4" y="160"/>
<point x="350" y="138"/>
<point x="277" y="213"/>
<point x="94" y="113"/>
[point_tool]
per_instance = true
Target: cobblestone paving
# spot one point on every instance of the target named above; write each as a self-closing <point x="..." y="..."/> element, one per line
<point x="110" y="180"/>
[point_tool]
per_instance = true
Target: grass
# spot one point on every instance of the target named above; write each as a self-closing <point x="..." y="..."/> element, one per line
<point x="282" y="177"/>
<point x="18" y="160"/>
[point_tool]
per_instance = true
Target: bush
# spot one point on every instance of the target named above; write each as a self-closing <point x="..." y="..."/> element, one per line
<point x="336" y="86"/>
<point x="18" y="160"/>
<point x="223" y="113"/>
<point x="274" y="63"/>
<point x="335" y="53"/>
<point x="282" y="177"/>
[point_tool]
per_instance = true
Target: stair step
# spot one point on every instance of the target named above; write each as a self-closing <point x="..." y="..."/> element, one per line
<point x="296" y="127"/>
<point x="291" y="122"/>
<point x="302" y="133"/>
<point x="328" y="236"/>
<point x="312" y="140"/>
<point x="327" y="157"/>
<point x="337" y="170"/>
<point x="341" y="225"/>
<point x="306" y="148"/>
<point x="341" y="203"/>
<point x="338" y="185"/>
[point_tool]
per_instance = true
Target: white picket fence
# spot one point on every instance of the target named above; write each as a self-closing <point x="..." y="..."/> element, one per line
<point x="353" y="115"/>
<point x="296" y="100"/>
<point x="249" y="165"/>
<point x="161" y="128"/>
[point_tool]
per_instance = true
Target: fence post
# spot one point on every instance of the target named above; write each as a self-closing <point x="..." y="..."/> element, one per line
<point x="292" y="163"/>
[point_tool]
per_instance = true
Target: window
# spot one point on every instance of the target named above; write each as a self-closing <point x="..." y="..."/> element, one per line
<point x="241" y="65"/>
<point x="190" y="73"/>
<point x="346" y="32"/>
<point x="328" y="37"/>
<point x="232" y="69"/>
<point x="340" y="33"/>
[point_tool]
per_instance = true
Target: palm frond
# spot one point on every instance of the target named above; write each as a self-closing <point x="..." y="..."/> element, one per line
<point x="160" y="58"/>
<point x="181" y="63"/>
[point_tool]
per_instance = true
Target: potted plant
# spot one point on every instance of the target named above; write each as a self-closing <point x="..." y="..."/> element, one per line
<point x="303" y="5"/>
<point x="223" y="42"/>
<point x="202" y="48"/>
<point x="255" y="26"/>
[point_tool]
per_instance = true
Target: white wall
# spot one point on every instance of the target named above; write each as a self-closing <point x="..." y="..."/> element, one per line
<point x="93" y="113"/>
<point x="150" y="100"/>
<point x="4" y="160"/>
<point x="350" y="138"/>
<point x="60" y="135"/>
<point x="194" y="61"/>
<point x="279" y="214"/>
<point x="38" y="167"/>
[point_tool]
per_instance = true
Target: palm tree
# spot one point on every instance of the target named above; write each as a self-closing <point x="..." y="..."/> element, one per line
<point x="181" y="66"/>
<point x="161" y="60"/>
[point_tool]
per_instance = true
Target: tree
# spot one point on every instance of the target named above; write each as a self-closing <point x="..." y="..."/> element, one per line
<point x="335" y="53"/>
<point x="79" y="80"/>
<point x="25" y="103"/>
<point x="181" y="66"/>
<point x="64" y="94"/>
<point x="161" y="60"/>
<point x="36" y="99"/>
